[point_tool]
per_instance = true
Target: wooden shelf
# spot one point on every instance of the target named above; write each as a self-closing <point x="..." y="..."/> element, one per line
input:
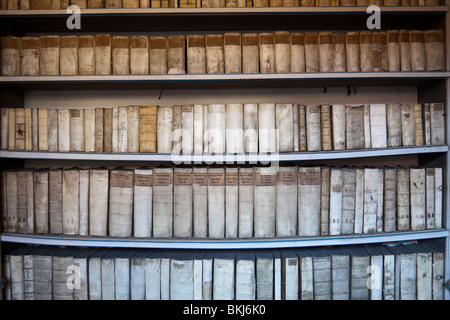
<point x="224" y="158"/>
<point x="192" y="243"/>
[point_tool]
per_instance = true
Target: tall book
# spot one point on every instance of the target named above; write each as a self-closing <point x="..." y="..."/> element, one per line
<point x="266" y="53"/>
<point x="81" y="264"/>
<point x="217" y="128"/>
<point x="297" y="42"/>
<point x="437" y="123"/>
<point x="370" y="200"/>
<point x="64" y="130"/>
<point x="378" y="132"/>
<point x="77" y="130"/>
<point x="339" y="55"/>
<point x="68" y="60"/>
<point x="86" y="54"/>
<point x="326" y="52"/>
<point x="250" y="53"/>
<point x="187" y="129"/>
<point x="405" y="50"/>
<point x="43" y="128"/>
<point x="52" y="129"/>
<point x="231" y="202"/>
<point x="122" y="274"/>
<point x="4" y="128"/>
<point x="417" y="45"/>
<point x="216" y="202"/>
<point x="359" y="263"/>
<point x="264" y="202"/>
<point x="11" y="201"/>
<point x="157" y="51"/>
<point x="234" y="128"/>
<point x="121" y="187"/>
<point x="403" y="196"/>
<point x="20" y="129"/>
<point x="417" y="198"/>
<point x="147" y="129"/>
<point x="182" y="202"/>
<point x="103" y="54"/>
<point x="182" y="276"/>
<point x="286" y="201"/>
<point x="215" y="57"/>
<point x="22" y="201"/>
<point x="405" y="272"/>
<point x="142" y="202"/>
<point x="29" y="62"/>
<point x="198" y="129"/>
<point x="176" y="60"/>
<point x="394" y="125"/>
<point x="324" y="200"/>
<point x="122" y="129"/>
<point x="393" y="50"/>
<point x="133" y="126"/>
<point x="289" y="274"/>
<point x="322" y="272"/>
<point x="162" y="202"/>
<point x="232" y="52"/>
<point x="250" y="126"/>
<point x="325" y="127"/>
<point x="340" y="273"/>
<point x="390" y="199"/>
<point x="264" y="274"/>
<point x="98" y="201"/>
<point x="89" y="130"/>
<point x="367" y="130"/>
<point x="313" y="128"/>
<point x="437" y="271"/>
<point x="338" y="120"/>
<point x="49" y="55"/>
<point x="424" y="271"/>
<point x="352" y="51"/>
<point x="164" y="129"/>
<point x="120" y="55"/>
<point x="246" y="205"/>
<point x="55" y="201"/>
<point x="408" y="125"/>
<point x="200" y="202"/>
<point x="62" y="261"/>
<point x="70" y="201"/>
<point x="434" y="50"/>
<point x="107" y="129"/>
<point x="224" y="275"/>
<point x="336" y="183"/>
<point x="380" y="52"/>
<point x="309" y="201"/>
<point x="245" y="276"/>
<point x="196" y="54"/>
<point x="41" y="201"/>
<point x="284" y="127"/>
<point x="438" y="197"/>
<point x="282" y="50"/>
<point x="139" y="54"/>
<point x="348" y="200"/>
<point x="153" y="275"/>
<point x="99" y="115"/>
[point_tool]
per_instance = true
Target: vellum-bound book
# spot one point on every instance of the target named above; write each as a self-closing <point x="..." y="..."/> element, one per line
<point x="10" y="51"/>
<point x="232" y="52"/>
<point x="29" y="62"/>
<point x="77" y="130"/>
<point x="147" y="129"/>
<point x="417" y="198"/>
<point x="86" y="55"/>
<point x="4" y="128"/>
<point x="418" y="125"/>
<point x="11" y="201"/>
<point x="107" y="275"/>
<point x="121" y="187"/>
<point x="326" y="52"/>
<point x="89" y="130"/>
<point x="370" y="200"/>
<point x="177" y="134"/>
<point x="309" y="201"/>
<point x="41" y="201"/>
<point x="306" y="275"/>
<point x="438" y="197"/>
<point x="336" y="192"/>
<point x="405" y="50"/>
<point x="133" y="134"/>
<point x="182" y="276"/>
<point x="162" y="202"/>
<point x="176" y="60"/>
<point x="302" y="141"/>
<point x="286" y="202"/>
<point x="285" y="127"/>
<point x="22" y="202"/>
<point x="366" y="51"/>
<point x="429" y="198"/>
<point x="325" y="127"/>
<point x="264" y="202"/>
<point x="120" y="50"/>
<point x="49" y="55"/>
<point x="250" y="53"/>
<point x="12" y="128"/>
<point x="20" y="130"/>
<point x="197" y="135"/>
<point x="231" y="202"/>
<point x="340" y="273"/>
<point x="216" y="128"/>
<point x="61" y="262"/>
<point x="264" y="274"/>
<point x="182" y="202"/>
<point x="282" y="51"/>
<point x="64" y="130"/>
<point x="52" y="129"/>
<point x="417" y="45"/>
<point x="378" y="132"/>
<point x="215" y="58"/>
<point x="99" y="115"/>
<point x="348" y="200"/>
<point x="267" y="127"/>
<point x="313" y="129"/>
<point x="83" y="202"/>
<point x="216" y="202"/>
<point x="157" y="46"/>
<point x="339" y="55"/>
<point x="380" y="200"/>
<point x="380" y="53"/>
<point x="187" y="127"/>
<point x="338" y="120"/>
<point x="324" y="200"/>
<point x="266" y="53"/>
<point x="312" y="52"/>
<point x="408" y="125"/>
<point x="200" y="202"/>
<point x="98" y="201"/>
<point x="297" y="46"/>
<point x="393" y="49"/>
<point x="103" y="54"/>
<point x="434" y="50"/>
<point x="68" y="60"/>
<point x="295" y="127"/>
<point x="437" y="123"/>
<point x="55" y="201"/>
<point x="70" y="201"/>
<point x="139" y="55"/>
<point x="322" y="272"/>
<point x="367" y="131"/>
<point x="234" y="127"/>
<point x="224" y="275"/>
<point x="290" y="275"/>
<point x="250" y="127"/>
<point x="390" y="199"/>
<point x="164" y="129"/>
<point x="403" y="199"/>
<point x="352" y="51"/>
<point x="142" y="203"/>
<point x="246" y="205"/>
<point x="196" y="54"/>
<point x="394" y="125"/>
<point x="405" y="273"/>
<point x="354" y="127"/>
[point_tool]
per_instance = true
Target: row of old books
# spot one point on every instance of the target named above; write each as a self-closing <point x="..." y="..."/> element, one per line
<point x="96" y="4"/>
<point x="221" y="202"/>
<point x="232" y="52"/>
<point x="223" y="128"/>
<point x="371" y="272"/>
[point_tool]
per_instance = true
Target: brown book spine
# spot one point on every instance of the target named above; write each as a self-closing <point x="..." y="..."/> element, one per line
<point x="147" y="128"/>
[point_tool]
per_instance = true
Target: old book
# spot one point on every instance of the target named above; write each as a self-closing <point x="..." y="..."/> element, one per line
<point x="366" y="51"/>
<point x="264" y="274"/>
<point x="390" y="199"/>
<point x="437" y="271"/>
<point x="352" y="51"/>
<point x="380" y="53"/>
<point x="216" y="202"/>
<point x="42" y="274"/>
<point x="295" y="127"/>
<point x="437" y="123"/>
<point x="113" y="3"/>
<point x="98" y="129"/>
<point x="12" y="128"/>
<point x="29" y="62"/>
<point x="232" y="52"/>
<point x="370" y="200"/>
<point x="336" y="192"/>
<point x="405" y="272"/>
<point x="98" y="201"/>
<point x="86" y="55"/>
<point x="49" y="55"/>
<point x="405" y="50"/>
<point x="359" y="263"/>
<point x="196" y="54"/>
<point x="216" y="128"/>
<point x="182" y="202"/>
<point x="231" y="202"/>
<point x="176" y="60"/>
<point x="429" y="198"/>
<point x="120" y="53"/>
<point x="282" y="51"/>
<point x="286" y="201"/>
<point x="367" y="131"/>
<point x="63" y="130"/>
<point x="417" y="198"/>
<point x="177" y="133"/>
<point x="70" y="201"/>
<point x="43" y="128"/>
<point x="302" y="141"/>
<point x="246" y="205"/>
<point x="297" y="46"/>
<point x="10" y="50"/>
<point x="325" y="127"/>
<point x="133" y="126"/>
<point x="77" y="130"/>
<point x="142" y="203"/>
<point x="289" y="274"/>
<point x="162" y="202"/>
<point x="403" y="196"/>
<point x="81" y="265"/>
<point x="234" y="128"/>
<point x="22" y="202"/>
<point x="107" y="129"/>
<point x="89" y="130"/>
<point x="103" y="54"/>
<point x="418" y="125"/>
<point x="187" y="127"/>
<point x="324" y="200"/>
<point x="52" y="130"/>
<point x="378" y="126"/>
<point x="310" y="201"/>
<point x="312" y="52"/>
<point x="122" y="129"/>
<point x="182" y="276"/>
<point x="326" y="52"/>
<point x="348" y="200"/>
<point x="20" y="129"/>
<point x="205" y="129"/>
<point x="62" y="261"/>
<point x="41" y="201"/>
<point x="321" y="273"/>
<point x="313" y="128"/>
<point x="250" y="126"/>
<point x="417" y="45"/>
<point x="164" y="129"/>
<point x="107" y="275"/>
<point x="380" y="200"/>
<point x="139" y="55"/>
<point x="34" y="129"/>
<point x="339" y="54"/>
<point x="68" y="51"/>
<point x="267" y="128"/>
<point x="284" y="127"/>
<point x="95" y="273"/>
<point x="30" y="220"/>
<point x="96" y="3"/>
<point x="200" y="202"/>
<point x="153" y="275"/>
<point x="264" y="202"/>
<point x="393" y="49"/>
<point x="11" y="201"/>
<point x="4" y="128"/>
<point x="157" y="50"/>
<point x="266" y="53"/>
<point x="122" y="272"/>
<point x="137" y="274"/>
<point x="338" y="121"/>
<point x="434" y="50"/>
<point x="83" y="202"/>
<point x="407" y="125"/>
<point x="224" y="275"/>
<point x="340" y="273"/>
<point x="147" y="129"/>
<point x="394" y="125"/>
<point x="426" y="119"/>
<point x="250" y="53"/>
<point x="55" y="193"/>
<point x="215" y="58"/>
<point x="120" y="213"/>
<point x="438" y="198"/>
<point x="424" y="272"/>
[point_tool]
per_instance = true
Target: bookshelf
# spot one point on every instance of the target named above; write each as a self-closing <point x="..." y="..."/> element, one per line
<point x="55" y="91"/>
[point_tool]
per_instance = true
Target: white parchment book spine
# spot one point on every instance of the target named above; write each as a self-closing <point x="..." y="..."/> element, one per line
<point x="142" y="202"/>
<point x="309" y="201"/>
